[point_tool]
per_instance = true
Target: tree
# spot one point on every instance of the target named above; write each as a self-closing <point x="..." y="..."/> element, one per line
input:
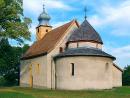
<point x="9" y="63"/>
<point x="13" y="24"/>
<point x="126" y="76"/>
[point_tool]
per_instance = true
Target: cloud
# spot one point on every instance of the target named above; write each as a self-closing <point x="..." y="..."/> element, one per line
<point x="57" y="4"/>
<point x="29" y="42"/>
<point x="122" y="54"/>
<point x="33" y="28"/>
<point x="116" y="16"/>
<point x="121" y="32"/>
<point x="59" y="23"/>
<point x="35" y="6"/>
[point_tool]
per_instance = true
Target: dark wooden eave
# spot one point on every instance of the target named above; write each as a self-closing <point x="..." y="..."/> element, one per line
<point x="117" y="67"/>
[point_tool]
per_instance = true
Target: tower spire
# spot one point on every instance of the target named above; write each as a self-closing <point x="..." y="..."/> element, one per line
<point x="85" y="11"/>
<point x="44" y="17"/>
<point x="43" y="27"/>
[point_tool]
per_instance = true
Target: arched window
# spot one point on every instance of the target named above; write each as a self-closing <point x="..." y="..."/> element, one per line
<point x="31" y="76"/>
<point x="72" y="67"/>
<point x="38" y="68"/>
<point x="30" y="69"/>
<point x="107" y="66"/>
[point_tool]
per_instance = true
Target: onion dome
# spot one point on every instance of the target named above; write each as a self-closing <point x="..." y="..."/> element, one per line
<point x="85" y="33"/>
<point x="44" y="18"/>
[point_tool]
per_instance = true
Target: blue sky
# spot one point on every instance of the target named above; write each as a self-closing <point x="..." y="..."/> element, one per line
<point x="111" y="19"/>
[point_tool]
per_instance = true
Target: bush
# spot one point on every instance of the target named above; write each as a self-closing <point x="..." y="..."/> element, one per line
<point x="126" y="76"/>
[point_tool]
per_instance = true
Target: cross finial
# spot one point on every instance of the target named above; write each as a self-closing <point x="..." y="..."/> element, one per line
<point x="85" y="10"/>
<point x="43" y="4"/>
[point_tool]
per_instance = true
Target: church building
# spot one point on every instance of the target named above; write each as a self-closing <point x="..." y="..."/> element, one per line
<point x="69" y="57"/>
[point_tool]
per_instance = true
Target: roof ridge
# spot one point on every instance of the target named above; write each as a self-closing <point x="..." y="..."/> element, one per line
<point x="71" y="22"/>
<point x="93" y="29"/>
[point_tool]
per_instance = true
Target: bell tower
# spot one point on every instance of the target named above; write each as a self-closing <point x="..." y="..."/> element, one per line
<point x="43" y="27"/>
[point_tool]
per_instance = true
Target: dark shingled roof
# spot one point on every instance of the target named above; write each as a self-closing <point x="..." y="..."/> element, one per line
<point x="85" y="33"/>
<point x="84" y="51"/>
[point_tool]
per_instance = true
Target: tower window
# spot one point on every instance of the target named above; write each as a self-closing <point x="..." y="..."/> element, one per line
<point x="60" y="49"/>
<point x="72" y="66"/>
<point x="38" y="30"/>
<point x="47" y="30"/>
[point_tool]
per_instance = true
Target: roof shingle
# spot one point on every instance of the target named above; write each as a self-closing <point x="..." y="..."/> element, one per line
<point x="85" y="33"/>
<point x="84" y="51"/>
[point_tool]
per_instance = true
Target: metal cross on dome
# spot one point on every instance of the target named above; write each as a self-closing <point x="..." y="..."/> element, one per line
<point x="85" y="11"/>
<point x="43" y="3"/>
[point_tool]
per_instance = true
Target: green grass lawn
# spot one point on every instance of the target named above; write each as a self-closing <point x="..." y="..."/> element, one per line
<point x="16" y="92"/>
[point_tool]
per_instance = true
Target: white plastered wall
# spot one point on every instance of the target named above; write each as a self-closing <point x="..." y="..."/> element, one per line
<point x="117" y="77"/>
<point x="89" y="73"/>
<point x="84" y="44"/>
<point x="39" y="78"/>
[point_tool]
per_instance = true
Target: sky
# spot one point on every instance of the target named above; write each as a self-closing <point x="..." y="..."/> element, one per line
<point x="110" y="18"/>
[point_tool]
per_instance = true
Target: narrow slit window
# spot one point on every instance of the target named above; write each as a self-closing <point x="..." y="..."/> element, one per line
<point x="60" y="49"/>
<point x="72" y="65"/>
<point x="38" y="68"/>
<point x="77" y="45"/>
<point x="107" y="66"/>
<point x="30" y="69"/>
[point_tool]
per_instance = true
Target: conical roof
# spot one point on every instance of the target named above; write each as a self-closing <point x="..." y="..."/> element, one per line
<point x="85" y="33"/>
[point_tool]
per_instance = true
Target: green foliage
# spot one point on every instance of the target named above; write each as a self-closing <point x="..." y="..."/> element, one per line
<point x="13" y="24"/>
<point x="9" y="63"/>
<point x="126" y="76"/>
<point x="2" y="81"/>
